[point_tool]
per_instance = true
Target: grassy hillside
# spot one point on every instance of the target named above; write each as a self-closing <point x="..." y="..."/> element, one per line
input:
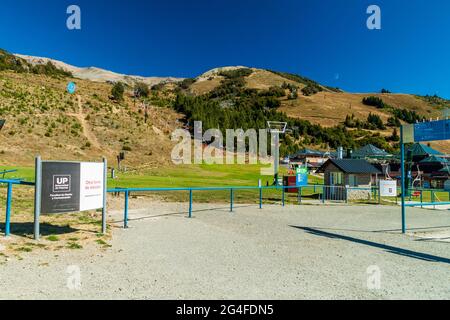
<point x="326" y="107"/>
<point x="42" y="118"/>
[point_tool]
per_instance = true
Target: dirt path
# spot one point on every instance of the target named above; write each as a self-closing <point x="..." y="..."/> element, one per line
<point x="87" y="132"/>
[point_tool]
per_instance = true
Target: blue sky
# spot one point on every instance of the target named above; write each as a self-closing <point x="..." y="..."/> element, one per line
<point x="327" y="40"/>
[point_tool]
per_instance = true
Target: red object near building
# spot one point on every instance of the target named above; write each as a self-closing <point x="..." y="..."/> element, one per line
<point x="290" y="181"/>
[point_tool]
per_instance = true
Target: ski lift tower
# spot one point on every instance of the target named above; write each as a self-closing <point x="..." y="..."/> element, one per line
<point x="276" y="128"/>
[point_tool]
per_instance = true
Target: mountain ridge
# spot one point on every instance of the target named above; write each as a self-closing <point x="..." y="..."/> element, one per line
<point x="96" y="74"/>
<point x="42" y="117"/>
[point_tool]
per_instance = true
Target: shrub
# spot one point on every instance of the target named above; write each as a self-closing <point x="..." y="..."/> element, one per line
<point x="117" y="91"/>
<point x="186" y="83"/>
<point x="238" y="73"/>
<point x="375" y="121"/>
<point x="393" y="122"/>
<point x="311" y="89"/>
<point x="374" y="102"/>
<point x="141" y="90"/>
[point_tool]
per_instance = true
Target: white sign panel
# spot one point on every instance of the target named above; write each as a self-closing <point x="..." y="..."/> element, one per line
<point x="71" y="186"/>
<point x="388" y="188"/>
<point x="91" y="186"/>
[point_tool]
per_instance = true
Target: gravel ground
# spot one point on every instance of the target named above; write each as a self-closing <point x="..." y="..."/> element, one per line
<point x="295" y="252"/>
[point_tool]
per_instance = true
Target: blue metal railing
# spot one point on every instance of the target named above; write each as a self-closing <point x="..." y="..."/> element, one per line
<point x="127" y="191"/>
<point x="320" y="192"/>
<point x="9" y="195"/>
<point x="7" y="171"/>
<point x="333" y="193"/>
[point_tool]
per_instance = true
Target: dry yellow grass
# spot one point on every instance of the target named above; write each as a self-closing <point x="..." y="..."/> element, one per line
<point x="263" y="80"/>
<point x="330" y="108"/>
<point x="42" y="118"/>
<point x="204" y="86"/>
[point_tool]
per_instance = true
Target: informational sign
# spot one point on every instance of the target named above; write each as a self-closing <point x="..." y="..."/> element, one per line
<point x="71" y="186"/>
<point x="71" y="87"/>
<point x="432" y="131"/>
<point x="302" y="177"/>
<point x="447" y="185"/>
<point x="388" y="188"/>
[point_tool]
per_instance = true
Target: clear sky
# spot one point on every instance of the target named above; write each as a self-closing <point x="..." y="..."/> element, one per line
<point x="326" y="40"/>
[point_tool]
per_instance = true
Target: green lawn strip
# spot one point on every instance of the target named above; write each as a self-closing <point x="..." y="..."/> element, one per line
<point x="202" y="175"/>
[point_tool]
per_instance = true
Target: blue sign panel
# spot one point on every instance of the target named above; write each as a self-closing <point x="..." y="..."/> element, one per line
<point x="71" y="87"/>
<point x="302" y="177"/>
<point x="432" y="131"/>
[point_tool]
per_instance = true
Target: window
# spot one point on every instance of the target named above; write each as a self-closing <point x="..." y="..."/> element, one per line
<point x="352" y="180"/>
<point x="336" y="178"/>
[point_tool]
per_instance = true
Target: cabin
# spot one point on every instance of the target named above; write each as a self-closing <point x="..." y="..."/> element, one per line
<point x="426" y="167"/>
<point x="370" y="152"/>
<point x="344" y="174"/>
<point x="312" y="158"/>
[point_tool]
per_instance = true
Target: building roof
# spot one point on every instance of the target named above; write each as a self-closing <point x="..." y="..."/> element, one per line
<point x="350" y="166"/>
<point x="434" y="159"/>
<point x="419" y="149"/>
<point x="446" y="169"/>
<point x="369" y="151"/>
<point x="307" y="152"/>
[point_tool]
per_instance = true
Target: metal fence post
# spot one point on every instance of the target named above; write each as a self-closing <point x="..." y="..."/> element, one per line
<point x="8" y="211"/>
<point x="421" y="198"/>
<point x="282" y="196"/>
<point x="231" y="199"/>
<point x="105" y="188"/>
<point x="37" y="196"/>
<point x="323" y="194"/>
<point x="300" y="194"/>
<point x="260" y="197"/>
<point x="125" y="215"/>
<point x="379" y="194"/>
<point x="190" y="203"/>
<point x="346" y="194"/>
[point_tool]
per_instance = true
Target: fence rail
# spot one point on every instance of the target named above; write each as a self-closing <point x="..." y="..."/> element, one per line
<point x="9" y="195"/>
<point x="322" y="192"/>
<point x="317" y="193"/>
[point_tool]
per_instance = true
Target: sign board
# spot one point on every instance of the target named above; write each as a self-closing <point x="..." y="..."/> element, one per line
<point x="302" y="177"/>
<point x="388" y="188"/>
<point x="446" y="113"/>
<point x="71" y="87"/>
<point x="71" y="186"/>
<point x="408" y="133"/>
<point x="432" y="131"/>
<point x="447" y="185"/>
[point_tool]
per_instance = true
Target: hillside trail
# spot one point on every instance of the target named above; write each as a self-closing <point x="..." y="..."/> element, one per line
<point x="87" y="132"/>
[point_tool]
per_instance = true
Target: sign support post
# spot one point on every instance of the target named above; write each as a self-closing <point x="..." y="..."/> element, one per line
<point x="8" y="211"/>
<point x="105" y="188"/>
<point x="402" y="156"/>
<point x="37" y="196"/>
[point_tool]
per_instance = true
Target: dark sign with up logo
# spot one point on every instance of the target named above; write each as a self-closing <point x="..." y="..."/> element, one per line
<point x="60" y="187"/>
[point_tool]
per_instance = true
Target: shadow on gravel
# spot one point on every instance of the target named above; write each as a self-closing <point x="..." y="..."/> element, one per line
<point x="385" y="231"/>
<point x="26" y="229"/>
<point x="390" y="249"/>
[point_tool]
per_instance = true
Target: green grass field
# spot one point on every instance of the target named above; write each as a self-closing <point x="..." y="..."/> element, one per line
<point x="203" y="176"/>
<point x="181" y="176"/>
<point x="197" y="176"/>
